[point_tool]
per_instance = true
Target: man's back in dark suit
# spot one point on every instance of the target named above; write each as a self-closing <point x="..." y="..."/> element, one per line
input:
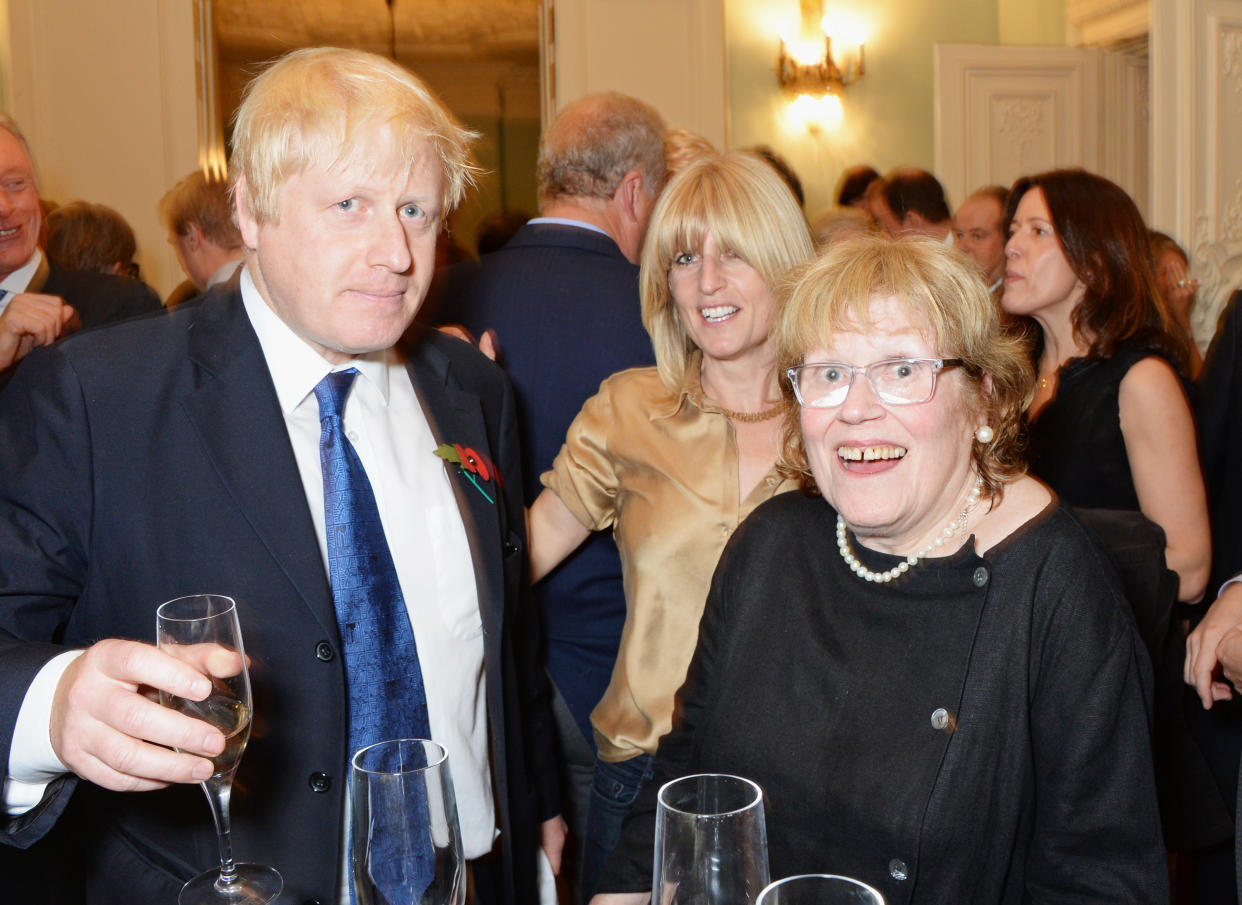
<point x="564" y="303"/>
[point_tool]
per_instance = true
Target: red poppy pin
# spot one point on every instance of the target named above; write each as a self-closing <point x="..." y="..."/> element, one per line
<point x="474" y="466"/>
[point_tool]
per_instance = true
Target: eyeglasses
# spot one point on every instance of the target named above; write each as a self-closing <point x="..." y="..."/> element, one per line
<point x="896" y="381"/>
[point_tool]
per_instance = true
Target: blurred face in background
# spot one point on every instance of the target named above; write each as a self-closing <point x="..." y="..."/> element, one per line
<point x="978" y="230"/>
<point x="884" y="215"/>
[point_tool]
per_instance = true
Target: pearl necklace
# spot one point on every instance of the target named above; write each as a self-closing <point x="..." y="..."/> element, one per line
<point x="843" y="543"/>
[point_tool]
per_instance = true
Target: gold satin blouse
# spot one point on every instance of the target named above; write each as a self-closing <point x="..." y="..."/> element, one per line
<point x="662" y="471"/>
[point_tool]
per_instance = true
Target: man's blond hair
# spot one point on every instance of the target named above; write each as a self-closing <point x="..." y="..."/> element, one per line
<point x="317" y="107"/>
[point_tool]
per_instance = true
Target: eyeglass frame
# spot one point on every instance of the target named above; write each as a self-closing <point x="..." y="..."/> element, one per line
<point x="937" y="365"/>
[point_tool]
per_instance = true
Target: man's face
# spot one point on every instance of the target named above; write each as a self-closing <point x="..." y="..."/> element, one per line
<point x="190" y="257"/>
<point x="20" y="214"/>
<point x="350" y="255"/>
<point x="977" y="230"/>
<point x="885" y="217"/>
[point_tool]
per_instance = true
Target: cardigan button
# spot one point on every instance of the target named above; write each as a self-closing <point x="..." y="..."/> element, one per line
<point x="980" y="577"/>
<point x="319" y="782"/>
<point x="324" y="651"/>
<point x="897" y="869"/>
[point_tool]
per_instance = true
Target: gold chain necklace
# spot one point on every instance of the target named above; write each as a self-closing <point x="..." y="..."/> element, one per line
<point x="745" y="417"/>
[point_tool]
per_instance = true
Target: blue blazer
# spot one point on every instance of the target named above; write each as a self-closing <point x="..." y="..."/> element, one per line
<point x="150" y="460"/>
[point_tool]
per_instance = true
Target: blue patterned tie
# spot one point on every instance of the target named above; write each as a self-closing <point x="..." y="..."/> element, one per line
<point x="386" y="695"/>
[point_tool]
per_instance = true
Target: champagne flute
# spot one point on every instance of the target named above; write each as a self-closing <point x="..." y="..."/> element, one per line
<point x="819" y="889"/>
<point x="711" y="842"/>
<point x="203" y="630"/>
<point x="405" y="843"/>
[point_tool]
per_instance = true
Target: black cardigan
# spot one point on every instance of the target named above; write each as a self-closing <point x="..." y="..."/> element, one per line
<point x="1034" y="785"/>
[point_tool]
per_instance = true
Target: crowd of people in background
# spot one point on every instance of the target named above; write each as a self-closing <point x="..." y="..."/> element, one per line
<point x="923" y="517"/>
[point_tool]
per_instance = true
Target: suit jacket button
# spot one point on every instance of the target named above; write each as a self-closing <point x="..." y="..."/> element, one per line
<point x="320" y="782"/>
<point x="323" y="650"/>
<point x="511" y="548"/>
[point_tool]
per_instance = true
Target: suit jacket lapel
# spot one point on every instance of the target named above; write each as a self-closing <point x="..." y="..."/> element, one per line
<point x="456" y="416"/>
<point x="239" y="421"/>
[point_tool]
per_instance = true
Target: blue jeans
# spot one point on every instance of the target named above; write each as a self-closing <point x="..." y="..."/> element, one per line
<point x="613" y="790"/>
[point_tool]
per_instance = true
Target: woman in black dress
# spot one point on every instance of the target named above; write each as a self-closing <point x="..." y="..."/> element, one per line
<point x="1110" y="425"/>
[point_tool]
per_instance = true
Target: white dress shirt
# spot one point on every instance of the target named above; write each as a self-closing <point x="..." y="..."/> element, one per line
<point x="386" y="424"/>
<point x="19" y="279"/>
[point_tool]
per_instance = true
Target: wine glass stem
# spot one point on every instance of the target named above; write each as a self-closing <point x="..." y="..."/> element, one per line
<point x="219" y="789"/>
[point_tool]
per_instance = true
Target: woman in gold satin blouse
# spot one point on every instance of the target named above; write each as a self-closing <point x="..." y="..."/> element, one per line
<point x="673" y="458"/>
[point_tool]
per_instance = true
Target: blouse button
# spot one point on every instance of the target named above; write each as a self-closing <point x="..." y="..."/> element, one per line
<point x="897" y="869"/>
<point x="980" y="577"/>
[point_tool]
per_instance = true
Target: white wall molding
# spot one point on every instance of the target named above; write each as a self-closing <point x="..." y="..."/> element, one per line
<point x="1105" y="22"/>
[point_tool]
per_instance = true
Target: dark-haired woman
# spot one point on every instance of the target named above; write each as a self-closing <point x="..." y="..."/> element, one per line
<point x="1110" y="424"/>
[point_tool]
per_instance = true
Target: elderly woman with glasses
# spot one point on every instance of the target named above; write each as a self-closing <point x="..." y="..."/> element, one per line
<point x="922" y="658"/>
<point x="672" y="458"/>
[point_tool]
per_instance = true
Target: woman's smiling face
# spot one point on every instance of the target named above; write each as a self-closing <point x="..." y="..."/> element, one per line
<point x="896" y="473"/>
<point x="723" y="303"/>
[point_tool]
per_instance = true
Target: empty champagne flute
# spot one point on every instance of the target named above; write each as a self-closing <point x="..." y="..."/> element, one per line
<point x="405" y="841"/>
<point x="819" y="889"/>
<point x="711" y="842"/>
<point x="203" y="630"/>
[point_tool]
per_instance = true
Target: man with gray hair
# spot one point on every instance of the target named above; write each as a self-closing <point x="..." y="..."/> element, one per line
<point x="38" y="301"/>
<point x="272" y="445"/>
<point x="562" y="298"/>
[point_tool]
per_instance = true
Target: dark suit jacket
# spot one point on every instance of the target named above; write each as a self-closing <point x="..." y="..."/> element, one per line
<point x="100" y="298"/>
<point x="564" y="304"/>
<point x="1218" y="407"/>
<point x="150" y="460"/>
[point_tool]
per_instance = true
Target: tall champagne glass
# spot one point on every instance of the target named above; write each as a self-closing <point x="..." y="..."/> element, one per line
<point x="711" y="842"/>
<point x="819" y="889"/>
<point x="203" y="631"/>
<point x="405" y="841"/>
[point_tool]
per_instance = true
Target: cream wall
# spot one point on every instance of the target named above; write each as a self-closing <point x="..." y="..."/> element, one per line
<point x="105" y="92"/>
<point x="887" y="118"/>
<point x="1031" y="22"/>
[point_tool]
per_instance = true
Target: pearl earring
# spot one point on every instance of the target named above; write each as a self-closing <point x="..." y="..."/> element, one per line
<point x="984" y="434"/>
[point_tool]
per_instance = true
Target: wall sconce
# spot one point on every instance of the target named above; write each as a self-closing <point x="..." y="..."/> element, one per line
<point x="815" y="114"/>
<point x="817" y="75"/>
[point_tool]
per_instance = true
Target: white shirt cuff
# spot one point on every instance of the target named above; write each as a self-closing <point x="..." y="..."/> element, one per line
<point x="1237" y="578"/>
<point x="32" y="762"/>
